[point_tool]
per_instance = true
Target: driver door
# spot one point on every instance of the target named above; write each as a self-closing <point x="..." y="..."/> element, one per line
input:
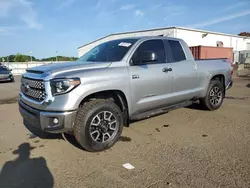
<point x="150" y="84"/>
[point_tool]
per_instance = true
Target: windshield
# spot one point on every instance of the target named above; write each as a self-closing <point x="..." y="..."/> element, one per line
<point x="109" y="51"/>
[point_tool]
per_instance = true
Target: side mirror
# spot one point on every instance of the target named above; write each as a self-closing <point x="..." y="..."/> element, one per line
<point x="146" y="56"/>
<point x="10" y="69"/>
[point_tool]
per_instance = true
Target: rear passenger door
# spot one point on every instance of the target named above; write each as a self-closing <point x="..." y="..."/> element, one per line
<point x="184" y="73"/>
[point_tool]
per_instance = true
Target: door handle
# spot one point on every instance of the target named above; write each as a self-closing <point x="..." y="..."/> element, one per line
<point x="135" y="76"/>
<point x="167" y="69"/>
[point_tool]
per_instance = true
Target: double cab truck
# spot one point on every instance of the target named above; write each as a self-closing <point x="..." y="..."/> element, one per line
<point x="116" y="82"/>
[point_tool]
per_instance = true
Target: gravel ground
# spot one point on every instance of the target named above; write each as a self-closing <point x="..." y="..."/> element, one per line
<point x="9" y="90"/>
<point x="187" y="147"/>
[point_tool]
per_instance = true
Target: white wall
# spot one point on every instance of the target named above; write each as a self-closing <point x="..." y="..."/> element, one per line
<point x="20" y="67"/>
<point x="247" y="44"/>
<point x="194" y="38"/>
<point x="166" y="32"/>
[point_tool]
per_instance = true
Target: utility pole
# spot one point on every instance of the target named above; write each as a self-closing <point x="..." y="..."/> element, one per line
<point x="56" y="56"/>
<point x="30" y="56"/>
<point x="8" y="61"/>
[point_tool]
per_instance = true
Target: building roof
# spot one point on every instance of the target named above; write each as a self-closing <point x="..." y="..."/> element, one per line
<point x="164" y="28"/>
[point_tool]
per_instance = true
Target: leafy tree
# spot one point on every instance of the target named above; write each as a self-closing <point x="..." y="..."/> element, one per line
<point x="247" y="34"/>
<point x="33" y="58"/>
<point x="21" y="58"/>
<point x="49" y="59"/>
<point x="60" y="58"/>
<point x="26" y="58"/>
<point x="9" y="58"/>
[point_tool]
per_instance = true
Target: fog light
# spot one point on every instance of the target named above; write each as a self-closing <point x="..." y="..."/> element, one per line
<point x="55" y="121"/>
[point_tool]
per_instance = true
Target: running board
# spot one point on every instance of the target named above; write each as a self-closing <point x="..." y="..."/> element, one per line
<point x="159" y="111"/>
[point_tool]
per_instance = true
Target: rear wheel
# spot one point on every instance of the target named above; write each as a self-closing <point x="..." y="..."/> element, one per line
<point x="214" y="97"/>
<point x="98" y="125"/>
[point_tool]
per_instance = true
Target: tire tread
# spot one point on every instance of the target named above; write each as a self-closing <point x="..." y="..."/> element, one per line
<point x="204" y="101"/>
<point x="83" y="113"/>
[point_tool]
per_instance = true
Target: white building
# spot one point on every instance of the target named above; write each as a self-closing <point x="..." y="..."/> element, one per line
<point x="193" y="37"/>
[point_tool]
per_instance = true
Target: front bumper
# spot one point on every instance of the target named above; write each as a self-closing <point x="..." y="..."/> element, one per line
<point x="229" y="85"/>
<point x="9" y="78"/>
<point x="44" y="120"/>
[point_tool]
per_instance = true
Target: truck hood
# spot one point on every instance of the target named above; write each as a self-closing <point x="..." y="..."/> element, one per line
<point x="67" y="67"/>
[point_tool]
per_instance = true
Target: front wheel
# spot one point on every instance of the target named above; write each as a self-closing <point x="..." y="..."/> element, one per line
<point x="98" y="125"/>
<point x="214" y="97"/>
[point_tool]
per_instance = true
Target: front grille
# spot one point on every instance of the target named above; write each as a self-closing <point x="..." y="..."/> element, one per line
<point x="34" y="89"/>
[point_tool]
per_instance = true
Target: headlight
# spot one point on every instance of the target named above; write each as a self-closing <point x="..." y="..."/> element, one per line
<point x="61" y="86"/>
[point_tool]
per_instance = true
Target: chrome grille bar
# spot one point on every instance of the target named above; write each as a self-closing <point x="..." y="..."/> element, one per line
<point x="34" y="89"/>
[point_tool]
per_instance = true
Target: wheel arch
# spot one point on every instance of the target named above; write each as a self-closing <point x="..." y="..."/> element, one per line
<point x="209" y="78"/>
<point x="205" y="101"/>
<point x="117" y="96"/>
<point x="221" y="78"/>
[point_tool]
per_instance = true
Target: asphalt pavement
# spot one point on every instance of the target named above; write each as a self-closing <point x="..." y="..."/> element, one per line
<point x="10" y="90"/>
<point x="187" y="147"/>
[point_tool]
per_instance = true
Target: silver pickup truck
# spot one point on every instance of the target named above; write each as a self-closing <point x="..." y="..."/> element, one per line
<point x="116" y="82"/>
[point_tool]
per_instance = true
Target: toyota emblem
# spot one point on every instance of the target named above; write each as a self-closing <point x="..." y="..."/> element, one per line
<point x="25" y="87"/>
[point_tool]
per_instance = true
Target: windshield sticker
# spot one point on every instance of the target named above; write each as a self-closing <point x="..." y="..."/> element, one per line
<point x="124" y="44"/>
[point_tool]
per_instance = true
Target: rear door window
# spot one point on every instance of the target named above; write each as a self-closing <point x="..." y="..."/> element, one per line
<point x="177" y="51"/>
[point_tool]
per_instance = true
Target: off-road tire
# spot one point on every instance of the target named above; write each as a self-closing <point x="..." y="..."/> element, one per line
<point x="206" y="103"/>
<point x="84" y="116"/>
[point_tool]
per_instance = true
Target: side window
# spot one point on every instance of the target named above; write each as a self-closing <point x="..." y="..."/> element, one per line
<point x="155" y="46"/>
<point x="3" y="69"/>
<point x="177" y="51"/>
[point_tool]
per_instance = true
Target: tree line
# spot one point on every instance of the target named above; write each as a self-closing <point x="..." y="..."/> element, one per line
<point x="246" y="34"/>
<point x="27" y="58"/>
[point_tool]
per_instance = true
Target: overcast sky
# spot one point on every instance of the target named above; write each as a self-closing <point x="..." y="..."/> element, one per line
<point x="47" y="26"/>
